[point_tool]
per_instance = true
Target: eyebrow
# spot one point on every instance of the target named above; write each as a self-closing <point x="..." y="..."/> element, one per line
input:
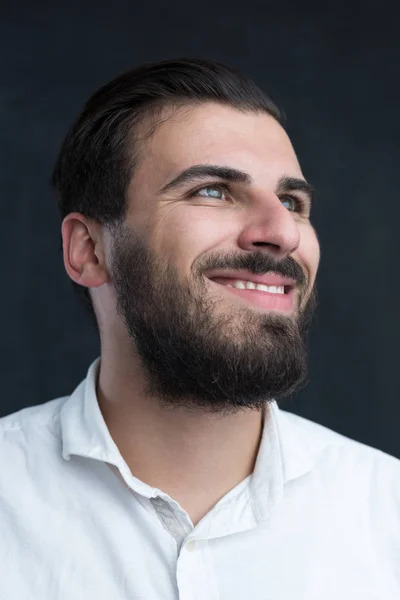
<point x="198" y="172"/>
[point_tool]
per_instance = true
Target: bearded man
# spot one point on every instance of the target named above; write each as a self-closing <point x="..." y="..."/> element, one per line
<point x="171" y="472"/>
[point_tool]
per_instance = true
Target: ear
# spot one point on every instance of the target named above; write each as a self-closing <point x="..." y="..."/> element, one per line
<point x="83" y="251"/>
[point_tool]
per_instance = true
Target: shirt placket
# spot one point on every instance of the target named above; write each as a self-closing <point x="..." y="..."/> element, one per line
<point x="195" y="579"/>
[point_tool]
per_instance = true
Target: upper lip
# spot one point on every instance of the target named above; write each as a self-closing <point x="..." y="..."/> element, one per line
<point x="269" y="279"/>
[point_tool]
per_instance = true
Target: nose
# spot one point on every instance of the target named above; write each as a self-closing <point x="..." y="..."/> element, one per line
<point x="270" y="225"/>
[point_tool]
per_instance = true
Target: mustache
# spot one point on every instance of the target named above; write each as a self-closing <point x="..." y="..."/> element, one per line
<point x="260" y="263"/>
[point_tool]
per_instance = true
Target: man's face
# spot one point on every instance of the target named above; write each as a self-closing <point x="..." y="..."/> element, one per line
<point x="200" y="343"/>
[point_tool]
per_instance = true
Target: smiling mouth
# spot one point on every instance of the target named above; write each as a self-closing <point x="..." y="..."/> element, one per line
<point x="267" y="297"/>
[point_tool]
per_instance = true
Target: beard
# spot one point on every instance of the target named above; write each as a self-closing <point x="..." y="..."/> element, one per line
<point x="199" y="351"/>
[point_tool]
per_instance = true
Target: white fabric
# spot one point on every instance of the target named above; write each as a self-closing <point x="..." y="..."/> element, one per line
<point x="318" y="519"/>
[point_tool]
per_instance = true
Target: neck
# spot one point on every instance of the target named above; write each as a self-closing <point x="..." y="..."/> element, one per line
<point x="194" y="457"/>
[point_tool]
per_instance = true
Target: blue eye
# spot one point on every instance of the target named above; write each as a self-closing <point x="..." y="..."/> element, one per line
<point x="211" y="191"/>
<point x="295" y="204"/>
<point x="221" y="192"/>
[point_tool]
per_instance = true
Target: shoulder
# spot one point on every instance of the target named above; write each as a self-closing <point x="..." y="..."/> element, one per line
<point x="324" y="436"/>
<point x="333" y="448"/>
<point x="353" y="471"/>
<point x="354" y="487"/>
<point x="29" y="432"/>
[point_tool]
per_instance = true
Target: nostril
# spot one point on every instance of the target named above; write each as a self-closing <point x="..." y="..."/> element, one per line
<point x="274" y="247"/>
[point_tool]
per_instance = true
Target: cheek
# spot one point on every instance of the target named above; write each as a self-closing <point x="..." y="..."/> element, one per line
<point x="183" y="238"/>
<point x="309" y="251"/>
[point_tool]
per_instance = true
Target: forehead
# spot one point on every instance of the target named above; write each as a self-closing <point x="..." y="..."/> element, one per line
<point x="218" y="134"/>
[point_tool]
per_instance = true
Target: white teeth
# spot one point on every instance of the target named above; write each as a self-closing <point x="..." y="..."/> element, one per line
<point x="266" y="288"/>
<point x="250" y="285"/>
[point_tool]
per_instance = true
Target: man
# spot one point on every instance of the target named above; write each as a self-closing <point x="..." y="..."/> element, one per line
<point x="171" y="472"/>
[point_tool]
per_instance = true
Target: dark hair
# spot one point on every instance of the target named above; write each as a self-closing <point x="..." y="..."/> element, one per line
<point x="99" y="154"/>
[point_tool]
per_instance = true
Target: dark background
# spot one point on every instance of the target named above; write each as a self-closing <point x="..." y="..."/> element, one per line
<point x="334" y="69"/>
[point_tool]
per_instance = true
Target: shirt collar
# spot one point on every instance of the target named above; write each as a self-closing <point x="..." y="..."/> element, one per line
<point x="85" y="433"/>
<point x="284" y="454"/>
<point x="284" y="451"/>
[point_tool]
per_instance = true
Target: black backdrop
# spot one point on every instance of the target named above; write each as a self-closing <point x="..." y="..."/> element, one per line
<point x="335" y="71"/>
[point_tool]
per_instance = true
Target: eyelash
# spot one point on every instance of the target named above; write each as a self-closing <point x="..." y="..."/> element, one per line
<point x="301" y="204"/>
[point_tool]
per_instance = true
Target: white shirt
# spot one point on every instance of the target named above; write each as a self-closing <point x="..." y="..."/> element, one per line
<point x="319" y="518"/>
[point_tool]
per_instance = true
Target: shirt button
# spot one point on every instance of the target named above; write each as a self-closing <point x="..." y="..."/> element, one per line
<point x="190" y="546"/>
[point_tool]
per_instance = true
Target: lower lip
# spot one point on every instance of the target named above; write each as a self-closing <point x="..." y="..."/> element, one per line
<point x="265" y="300"/>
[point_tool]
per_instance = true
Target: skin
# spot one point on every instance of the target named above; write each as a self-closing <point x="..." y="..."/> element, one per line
<point x="195" y="452"/>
